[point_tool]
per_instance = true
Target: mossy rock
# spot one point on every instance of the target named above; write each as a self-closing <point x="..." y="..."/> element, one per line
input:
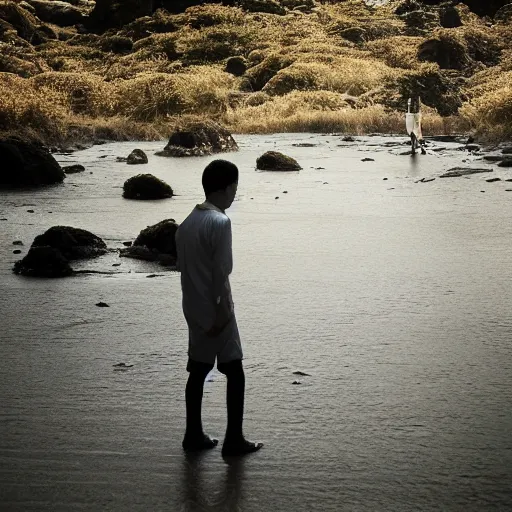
<point x="146" y="186"/>
<point x="155" y="243"/>
<point x="25" y="23"/>
<point x="59" y="13"/>
<point x="116" y="44"/>
<point x="269" y="6"/>
<point x="26" y="164"/>
<point x="439" y="89"/>
<point x="258" y="76"/>
<point x="356" y="35"/>
<point x="447" y="52"/>
<point x="421" y="21"/>
<point x="236" y="66"/>
<point x="449" y="17"/>
<point x="275" y="161"/>
<point x="43" y="261"/>
<point x="137" y="157"/>
<point x="198" y="138"/>
<point x="73" y="243"/>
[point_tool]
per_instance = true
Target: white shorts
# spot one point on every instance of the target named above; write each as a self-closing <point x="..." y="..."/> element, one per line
<point x="225" y="347"/>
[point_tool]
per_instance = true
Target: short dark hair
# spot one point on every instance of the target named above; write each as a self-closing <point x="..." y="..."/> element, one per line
<point x="219" y="175"/>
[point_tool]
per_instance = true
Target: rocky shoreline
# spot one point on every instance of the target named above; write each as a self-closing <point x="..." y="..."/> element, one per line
<point x="81" y="72"/>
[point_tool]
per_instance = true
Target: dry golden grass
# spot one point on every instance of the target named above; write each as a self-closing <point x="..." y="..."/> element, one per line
<point x="304" y="63"/>
<point x="396" y="51"/>
<point x="321" y="111"/>
<point x="197" y="90"/>
<point x="345" y="74"/>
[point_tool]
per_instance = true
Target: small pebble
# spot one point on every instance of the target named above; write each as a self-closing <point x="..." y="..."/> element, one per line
<point x="296" y="382"/>
<point x="127" y="244"/>
<point x="102" y="305"/>
<point x="116" y="264"/>
<point x="30" y="211"/>
<point x="16" y="251"/>
<point x="277" y="197"/>
<point x="285" y="191"/>
<point x="384" y="179"/>
<point x="17" y="242"/>
<point x="367" y="160"/>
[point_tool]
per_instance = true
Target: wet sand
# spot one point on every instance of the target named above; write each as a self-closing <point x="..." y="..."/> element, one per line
<point x="393" y="295"/>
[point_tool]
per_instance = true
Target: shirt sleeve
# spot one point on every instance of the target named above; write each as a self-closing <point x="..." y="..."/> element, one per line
<point x="222" y="258"/>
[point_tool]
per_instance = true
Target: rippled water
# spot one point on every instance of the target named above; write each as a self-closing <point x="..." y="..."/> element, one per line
<point x="393" y="295"/>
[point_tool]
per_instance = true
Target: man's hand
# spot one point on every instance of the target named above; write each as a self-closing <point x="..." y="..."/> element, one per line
<point x="224" y="314"/>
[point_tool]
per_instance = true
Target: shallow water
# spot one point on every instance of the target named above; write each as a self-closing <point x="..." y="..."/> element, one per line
<point x="393" y="295"/>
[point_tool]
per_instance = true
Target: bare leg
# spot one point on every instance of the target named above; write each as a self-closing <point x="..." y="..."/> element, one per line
<point x="235" y="442"/>
<point x="414" y="142"/>
<point x="195" y="438"/>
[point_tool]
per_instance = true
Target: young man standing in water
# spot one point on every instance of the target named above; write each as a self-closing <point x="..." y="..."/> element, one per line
<point x="205" y="261"/>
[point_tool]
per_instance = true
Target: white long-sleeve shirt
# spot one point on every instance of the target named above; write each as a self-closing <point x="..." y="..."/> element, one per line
<point x="205" y="260"/>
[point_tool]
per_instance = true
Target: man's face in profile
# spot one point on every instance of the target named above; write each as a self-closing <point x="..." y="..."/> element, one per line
<point x="231" y="193"/>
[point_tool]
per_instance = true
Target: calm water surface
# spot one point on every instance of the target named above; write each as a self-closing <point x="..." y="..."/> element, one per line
<point x="393" y="295"/>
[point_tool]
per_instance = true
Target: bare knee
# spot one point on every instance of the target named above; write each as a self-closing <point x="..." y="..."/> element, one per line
<point x="233" y="369"/>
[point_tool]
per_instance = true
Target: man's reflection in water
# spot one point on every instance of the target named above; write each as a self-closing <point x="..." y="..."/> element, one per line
<point x="203" y="489"/>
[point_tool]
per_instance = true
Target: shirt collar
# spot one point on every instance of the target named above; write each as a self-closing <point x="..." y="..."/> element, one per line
<point x="208" y="206"/>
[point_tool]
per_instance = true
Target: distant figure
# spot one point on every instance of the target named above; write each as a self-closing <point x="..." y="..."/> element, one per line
<point x="205" y="261"/>
<point x="413" y="125"/>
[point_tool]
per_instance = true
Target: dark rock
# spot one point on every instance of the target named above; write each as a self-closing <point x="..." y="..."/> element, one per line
<point x="59" y="13"/>
<point x="367" y="160"/>
<point x="155" y="243"/>
<point x="17" y="242"/>
<point x="439" y="89"/>
<point x="27" y="164"/>
<point x="116" y="264"/>
<point x="505" y="163"/>
<point x="146" y="186"/>
<point x="275" y="161"/>
<point x="269" y="6"/>
<point x="73" y="169"/>
<point x="102" y="305"/>
<point x="16" y="251"/>
<point x="472" y="147"/>
<point x="348" y="138"/>
<point x="72" y="243"/>
<point x="259" y="75"/>
<point x="237" y="66"/>
<point x="123" y="365"/>
<point x="127" y="244"/>
<point x="494" y="158"/>
<point x="30" y="211"/>
<point x="507" y="150"/>
<point x="198" y="138"/>
<point x="296" y="382"/>
<point x="492" y="180"/>
<point x="408" y="6"/>
<point x="447" y="52"/>
<point x="456" y="172"/>
<point x="116" y="44"/>
<point x="449" y="17"/>
<point x="504" y="14"/>
<point x="136" y="157"/>
<point x="356" y="35"/>
<point x="298" y="372"/>
<point x="22" y="20"/>
<point x="480" y="7"/>
<point x="116" y="13"/>
<point x="43" y="261"/>
<point x="420" y="21"/>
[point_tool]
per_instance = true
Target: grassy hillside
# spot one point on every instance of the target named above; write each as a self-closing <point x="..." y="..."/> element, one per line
<point x="322" y="67"/>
